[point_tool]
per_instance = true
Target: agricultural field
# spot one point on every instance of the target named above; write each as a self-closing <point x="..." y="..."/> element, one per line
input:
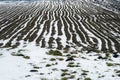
<point x="59" y="40"/>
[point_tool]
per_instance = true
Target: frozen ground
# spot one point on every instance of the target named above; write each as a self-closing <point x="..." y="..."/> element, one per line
<point x="41" y="66"/>
<point x="87" y="36"/>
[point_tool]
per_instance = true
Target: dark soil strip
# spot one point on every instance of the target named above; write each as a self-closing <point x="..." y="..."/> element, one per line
<point x="59" y="44"/>
<point x="50" y="42"/>
<point x="43" y="43"/>
<point x="59" y="24"/>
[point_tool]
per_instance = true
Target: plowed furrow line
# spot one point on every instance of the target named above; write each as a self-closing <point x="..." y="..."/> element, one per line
<point x="57" y="24"/>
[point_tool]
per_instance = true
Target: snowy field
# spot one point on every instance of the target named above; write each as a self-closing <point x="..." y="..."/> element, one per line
<point x="41" y="66"/>
<point x="58" y="40"/>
